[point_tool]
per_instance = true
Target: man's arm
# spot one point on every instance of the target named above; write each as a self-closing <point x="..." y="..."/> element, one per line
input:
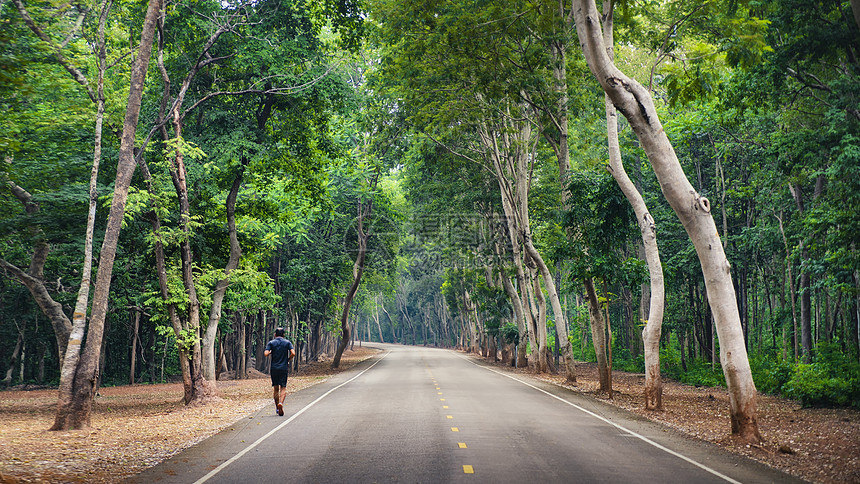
<point x="267" y="352"/>
<point x="292" y="353"/>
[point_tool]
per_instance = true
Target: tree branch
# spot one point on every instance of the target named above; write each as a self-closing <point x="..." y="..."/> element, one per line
<point x="76" y="74"/>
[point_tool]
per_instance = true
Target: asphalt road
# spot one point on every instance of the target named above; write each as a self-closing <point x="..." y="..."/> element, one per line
<point x="417" y="414"/>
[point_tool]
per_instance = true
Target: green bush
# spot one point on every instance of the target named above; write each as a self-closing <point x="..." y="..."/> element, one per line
<point x="813" y="385"/>
<point x="622" y="360"/>
<point x="699" y="372"/>
<point x="771" y="374"/>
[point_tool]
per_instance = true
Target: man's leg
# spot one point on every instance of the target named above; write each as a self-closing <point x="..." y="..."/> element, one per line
<point x="280" y="392"/>
<point x="276" y="393"/>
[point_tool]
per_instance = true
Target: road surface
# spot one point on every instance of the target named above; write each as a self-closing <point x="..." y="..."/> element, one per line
<point x="421" y="415"/>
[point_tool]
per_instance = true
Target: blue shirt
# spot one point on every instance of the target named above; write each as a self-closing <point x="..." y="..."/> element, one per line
<point x="280" y="348"/>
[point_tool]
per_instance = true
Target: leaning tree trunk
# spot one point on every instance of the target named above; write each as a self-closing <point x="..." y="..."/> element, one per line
<point x="202" y="389"/>
<point x="202" y="375"/>
<point x="390" y="323"/>
<point x="33" y="277"/>
<point x="75" y="330"/>
<point x="220" y="291"/>
<point x="474" y="346"/>
<point x="72" y="353"/>
<point x="654" y="321"/>
<point x="7" y="380"/>
<point x="555" y="302"/>
<point x="598" y="337"/>
<point x="161" y="275"/>
<point x="516" y="303"/>
<point x="519" y="313"/>
<point x="73" y="410"/>
<point x="540" y="327"/>
<point x="512" y="197"/>
<point x="357" y="270"/>
<point x="376" y="318"/>
<point x="693" y="210"/>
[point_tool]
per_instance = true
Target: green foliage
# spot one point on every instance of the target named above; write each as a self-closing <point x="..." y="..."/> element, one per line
<point x="831" y="380"/>
<point x="510" y="333"/>
<point x="623" y="360"/>
<point x="758" y="98"/>
<point x="494" y="306"/>
<point x="698" y="372"/>
<point x="771" y="374"/>
<point x="300" y="335"/>
<point x="601" y="220"/>
<point x="815" y="385"/>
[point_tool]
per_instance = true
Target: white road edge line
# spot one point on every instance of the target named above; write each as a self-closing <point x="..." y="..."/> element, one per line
<point x="244" y="451"/>
<point x="634" y="434"/>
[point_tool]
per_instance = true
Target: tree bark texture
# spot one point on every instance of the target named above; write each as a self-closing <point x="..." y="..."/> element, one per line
<point x="71" y="355"/>
<point x="376" y="318"/>
<point x="469" y="307"/>
<point x="654" y="321"/>
<point x="511" y="164"/>
<point x="598" y="337"/>
<point x="365" y="209"/>
<point x="557" y="311"/>
<point x="693" y="210"/>
<point x="75" y="413"/>
<point x="220" y="291"/>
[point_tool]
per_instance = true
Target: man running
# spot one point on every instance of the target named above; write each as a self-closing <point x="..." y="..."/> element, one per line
<point x="282" y="352"/>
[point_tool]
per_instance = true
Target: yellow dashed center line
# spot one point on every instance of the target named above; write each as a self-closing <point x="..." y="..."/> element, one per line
<point x="467" y="469"/>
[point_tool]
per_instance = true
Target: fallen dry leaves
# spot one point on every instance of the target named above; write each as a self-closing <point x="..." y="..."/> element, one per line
<point x="133" y="427"/>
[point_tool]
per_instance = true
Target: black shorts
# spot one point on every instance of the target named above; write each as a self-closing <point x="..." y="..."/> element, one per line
<point x="279" y="377"/>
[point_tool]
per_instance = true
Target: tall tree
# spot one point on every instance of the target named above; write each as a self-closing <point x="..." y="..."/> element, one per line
<point x="74" y="408"/>
<point x="636" y="104"/>
<point x="654" y="320"/>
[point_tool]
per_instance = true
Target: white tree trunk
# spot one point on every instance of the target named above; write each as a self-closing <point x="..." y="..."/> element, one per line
<point x="555" y="302"/>
<point x="654" y="320"/>
<point x="693" y="210"/>
<point x="79" y="316"/>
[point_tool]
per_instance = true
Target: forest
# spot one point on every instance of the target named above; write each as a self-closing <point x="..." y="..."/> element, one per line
<point x="669" y="188"/>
